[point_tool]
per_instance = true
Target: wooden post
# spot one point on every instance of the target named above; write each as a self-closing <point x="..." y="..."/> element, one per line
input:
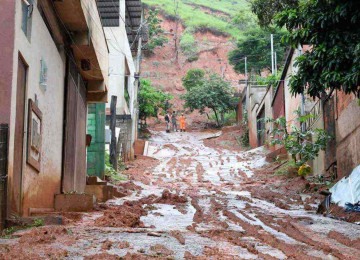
<point x="113" y="154"/>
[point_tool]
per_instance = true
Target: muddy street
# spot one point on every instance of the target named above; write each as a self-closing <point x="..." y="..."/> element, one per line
<point x="193" y="202"/>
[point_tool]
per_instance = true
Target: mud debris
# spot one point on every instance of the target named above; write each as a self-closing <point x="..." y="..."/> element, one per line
<point x="180" y="207"/>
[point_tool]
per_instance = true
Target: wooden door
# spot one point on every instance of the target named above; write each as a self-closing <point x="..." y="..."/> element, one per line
<point x="19" y="137"/>
<point x="74" y="175"/>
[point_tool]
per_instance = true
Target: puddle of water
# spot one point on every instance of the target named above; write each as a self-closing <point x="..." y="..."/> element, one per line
<point x="170" y="218"/>
<point x="205" y="204"/>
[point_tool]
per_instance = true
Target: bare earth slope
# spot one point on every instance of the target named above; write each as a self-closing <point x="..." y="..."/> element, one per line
<point x="166" y="73"/>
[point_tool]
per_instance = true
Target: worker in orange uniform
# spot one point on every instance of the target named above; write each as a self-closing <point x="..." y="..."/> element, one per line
<point x="182" y="120"/>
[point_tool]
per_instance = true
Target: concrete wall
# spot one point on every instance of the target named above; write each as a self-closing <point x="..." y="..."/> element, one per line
<point x="255" y="95"/>
<point x="39" y="187"/>
<point x="318" y="164"/>
<point x="266" y="104"/>
<point x="291" y="103"/>
<point x="347" y="134"/>
<point x="7" y="23"/>
<point x="97" y="36"/>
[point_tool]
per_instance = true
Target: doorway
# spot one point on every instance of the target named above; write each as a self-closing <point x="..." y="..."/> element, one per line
<point x="19" y="137"/>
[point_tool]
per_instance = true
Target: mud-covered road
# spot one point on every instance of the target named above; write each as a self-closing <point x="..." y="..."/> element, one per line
<point x="195" y="202"/>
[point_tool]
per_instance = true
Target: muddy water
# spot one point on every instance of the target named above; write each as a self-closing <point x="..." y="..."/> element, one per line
<point x="220" y="218"/>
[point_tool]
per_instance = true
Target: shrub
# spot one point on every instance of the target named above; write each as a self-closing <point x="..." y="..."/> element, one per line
<point x="188" y="45"/>
<point x="303" y="146"/>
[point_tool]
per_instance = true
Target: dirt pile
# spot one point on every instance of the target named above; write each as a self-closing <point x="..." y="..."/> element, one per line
<point x="128" y="187"/>
<point x="340" y="213"/>
<point x="170" y="198"/>
<point x="229" y="140"/>
<point x="161" y="250"/>
<point x="39" y="239"/>
<point x="129" y="214"/>
<point x="126" y="215"/>
<point x="42" y="235"/>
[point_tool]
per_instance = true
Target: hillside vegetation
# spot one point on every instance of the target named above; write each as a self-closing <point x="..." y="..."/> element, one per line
<point x="227" y="17"/>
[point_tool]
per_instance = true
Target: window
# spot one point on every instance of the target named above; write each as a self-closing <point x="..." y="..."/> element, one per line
<point x="27" y="7"/>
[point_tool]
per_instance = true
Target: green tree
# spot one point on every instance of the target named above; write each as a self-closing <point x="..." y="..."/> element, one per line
<point x="244" y="20"/>
<point x="332" y="28"/>
<point x="156" y="33"/>
<point x="256" y="47"/>
<point x="193" y="78"/>
<point x="267" y="10"/>
<point x="150" y="100"/>
<point x="214" y="93"/>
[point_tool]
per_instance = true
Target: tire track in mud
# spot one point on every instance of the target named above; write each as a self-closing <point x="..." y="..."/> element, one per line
<point x="266" y="238"/>
<point x="198" y="203"/>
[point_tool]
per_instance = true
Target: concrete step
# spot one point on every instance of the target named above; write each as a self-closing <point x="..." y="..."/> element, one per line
<point x="94" y="180"/>
<point x="74" y="202"/>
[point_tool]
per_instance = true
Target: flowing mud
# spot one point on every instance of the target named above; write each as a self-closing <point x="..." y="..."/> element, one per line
<point x="195" y="201"/>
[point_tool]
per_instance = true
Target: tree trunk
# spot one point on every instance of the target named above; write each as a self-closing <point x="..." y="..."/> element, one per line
<point x="216" y="116"/>
<point x="222" y="115"/>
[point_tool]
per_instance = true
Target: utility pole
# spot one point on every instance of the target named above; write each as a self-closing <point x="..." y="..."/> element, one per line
<point x="272" y="54"/>
<point x="137" y="81"/>
<point x="246" y="74"/>
<point x="275" y="64"/>
<point x="113" y="153"/>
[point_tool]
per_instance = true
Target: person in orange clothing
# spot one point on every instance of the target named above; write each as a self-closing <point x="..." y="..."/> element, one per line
<point x="182" y="120"/>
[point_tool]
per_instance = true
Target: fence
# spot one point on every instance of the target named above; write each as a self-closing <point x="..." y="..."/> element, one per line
<point x="4" y="133"/>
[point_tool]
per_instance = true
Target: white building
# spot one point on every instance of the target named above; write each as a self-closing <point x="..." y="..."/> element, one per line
<point x="122" y="20"/>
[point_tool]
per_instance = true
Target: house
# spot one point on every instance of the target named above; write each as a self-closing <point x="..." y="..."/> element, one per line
<point x="54" y="64"/>
<point x="123" y="27"/>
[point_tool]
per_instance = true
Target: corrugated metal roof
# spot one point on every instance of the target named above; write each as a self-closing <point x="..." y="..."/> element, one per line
<point x="133" y="21"/>
<point x="109" y="11"/>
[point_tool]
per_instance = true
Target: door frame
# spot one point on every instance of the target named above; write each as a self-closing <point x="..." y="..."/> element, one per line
<point x="17" y="185"/>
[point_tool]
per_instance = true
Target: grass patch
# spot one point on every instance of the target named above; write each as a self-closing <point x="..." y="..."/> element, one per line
<point x="188" y="45"/>
<point x="8" y="232"/>
<point x="194" y="17"/>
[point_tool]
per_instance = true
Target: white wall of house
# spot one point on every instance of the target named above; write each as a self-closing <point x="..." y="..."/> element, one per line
<point x="120" y="58"/>
<point x="39" y="187"/>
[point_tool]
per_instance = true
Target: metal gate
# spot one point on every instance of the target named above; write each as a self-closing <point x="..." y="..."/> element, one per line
<point x="4" y="133"/>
